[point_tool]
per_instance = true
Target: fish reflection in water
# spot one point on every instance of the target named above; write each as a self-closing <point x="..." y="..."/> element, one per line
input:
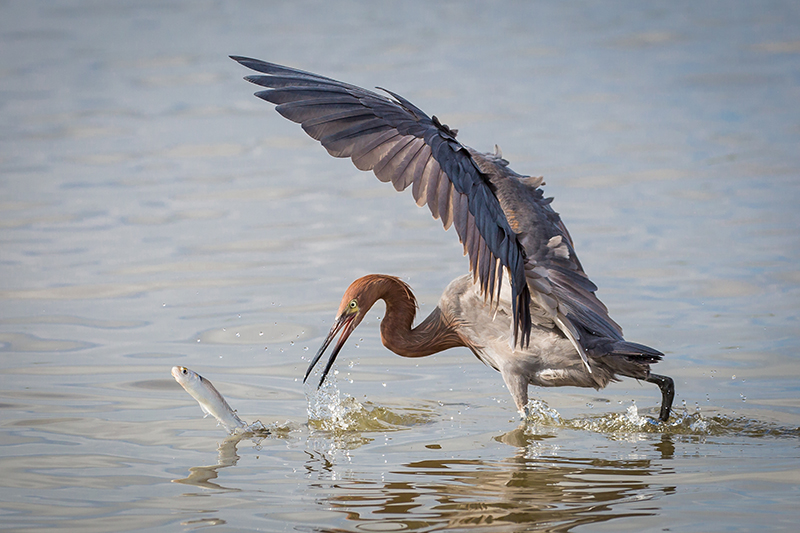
<point x="228" y="454"/>
<point x="201" y="476"/>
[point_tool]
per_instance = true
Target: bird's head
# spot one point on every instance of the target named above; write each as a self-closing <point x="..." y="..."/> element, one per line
<point x="358" y="299"/>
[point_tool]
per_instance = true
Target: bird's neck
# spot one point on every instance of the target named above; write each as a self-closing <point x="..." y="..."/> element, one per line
<point x="434" y="334"/>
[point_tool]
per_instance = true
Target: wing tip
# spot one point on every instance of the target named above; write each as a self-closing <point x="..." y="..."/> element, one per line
<point x="522" y="317"/>
<point x="244" y="60"/>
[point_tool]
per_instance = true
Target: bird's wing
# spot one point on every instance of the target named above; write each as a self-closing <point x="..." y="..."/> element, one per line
<point x="561" y="292"/>
<point x="401" y="144"/>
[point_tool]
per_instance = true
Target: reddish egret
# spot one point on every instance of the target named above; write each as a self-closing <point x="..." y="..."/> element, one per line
<point x="527" y="309"/>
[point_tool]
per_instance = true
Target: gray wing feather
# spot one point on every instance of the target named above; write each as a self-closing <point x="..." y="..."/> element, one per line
<point x="402" y="145"/>
<point x="562" y="293"/>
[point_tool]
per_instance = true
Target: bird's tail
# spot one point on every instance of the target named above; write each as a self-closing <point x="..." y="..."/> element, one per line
<point x="640" y="352"/>
<point x="598" y="347"/>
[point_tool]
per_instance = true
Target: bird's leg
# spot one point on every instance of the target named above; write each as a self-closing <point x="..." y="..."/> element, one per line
<point x="518" y="387"/>
<point x="667" y="387"/>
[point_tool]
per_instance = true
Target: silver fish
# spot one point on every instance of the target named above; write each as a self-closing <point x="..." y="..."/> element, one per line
<point x="210" y="400"/>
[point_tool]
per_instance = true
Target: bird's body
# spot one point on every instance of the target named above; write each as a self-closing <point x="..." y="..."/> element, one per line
<point x="548" y="360"/>
<point x="464" y="318"/>
<point x="528" y="309"/>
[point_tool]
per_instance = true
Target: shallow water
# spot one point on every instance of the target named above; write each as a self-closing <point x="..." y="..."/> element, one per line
<point x="154" y="213"/>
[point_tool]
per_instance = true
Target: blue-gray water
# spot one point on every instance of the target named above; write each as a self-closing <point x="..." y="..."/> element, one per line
<point x="154" y="213"/>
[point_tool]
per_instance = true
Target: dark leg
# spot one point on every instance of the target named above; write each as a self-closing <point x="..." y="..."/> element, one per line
<point x="667" y="387"/>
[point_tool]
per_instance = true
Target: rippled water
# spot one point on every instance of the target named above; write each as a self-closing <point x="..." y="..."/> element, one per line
<point x="153" y="213"/>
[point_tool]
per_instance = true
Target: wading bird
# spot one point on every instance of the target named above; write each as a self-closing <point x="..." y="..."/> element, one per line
<point x="527" y="309"/>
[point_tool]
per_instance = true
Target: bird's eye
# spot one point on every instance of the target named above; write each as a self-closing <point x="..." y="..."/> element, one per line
<point x="353" y="305"/>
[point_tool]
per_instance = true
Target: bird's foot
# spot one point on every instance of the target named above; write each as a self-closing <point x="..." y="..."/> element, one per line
<point x="667" y="387"/>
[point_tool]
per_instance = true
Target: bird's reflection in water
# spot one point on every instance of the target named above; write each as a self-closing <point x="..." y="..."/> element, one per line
<point x="523" y="438"/>
<point x="534" y="489"/>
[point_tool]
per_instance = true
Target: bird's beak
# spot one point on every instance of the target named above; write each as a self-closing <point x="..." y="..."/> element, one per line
<point x="346" y="325"/>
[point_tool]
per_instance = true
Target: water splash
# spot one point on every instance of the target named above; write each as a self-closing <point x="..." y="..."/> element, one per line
<point x="697" y="423"/>
<point x="682" y="422"/>
<point x="330" y="410"/>
<point x="538" y="412"/>
<point x="631" y="421"/>
<point x="326" y="408"/>
<point x="258" y="431"/>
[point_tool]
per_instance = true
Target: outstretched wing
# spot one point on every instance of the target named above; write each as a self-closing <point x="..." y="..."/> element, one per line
<point x="401" y="144"/>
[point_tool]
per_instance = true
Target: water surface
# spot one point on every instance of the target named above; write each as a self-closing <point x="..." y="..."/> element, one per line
<point x="154" y="213"/>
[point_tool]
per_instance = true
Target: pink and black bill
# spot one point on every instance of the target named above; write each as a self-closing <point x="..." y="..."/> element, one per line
<point x="344" y="324"/>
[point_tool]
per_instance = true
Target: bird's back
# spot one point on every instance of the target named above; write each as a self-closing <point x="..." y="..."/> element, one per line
<point x="549" y="359"/>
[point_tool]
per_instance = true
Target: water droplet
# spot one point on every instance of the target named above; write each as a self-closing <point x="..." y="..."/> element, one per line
<point x="384" y="384"/>
<point x="305" y="348"/>
<point x="733" y="376"/>
<point x="237" y="335"/>
<point x="260" y="333"/>
<point x="198" y="340"/>
<point x="163" y="305"/>
<point x="291" y="342"/>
